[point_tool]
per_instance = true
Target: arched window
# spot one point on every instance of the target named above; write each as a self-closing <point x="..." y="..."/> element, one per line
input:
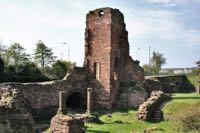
<point x="76" y="101"/>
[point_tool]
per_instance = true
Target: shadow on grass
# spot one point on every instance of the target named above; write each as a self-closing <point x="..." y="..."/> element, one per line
<point x="155" y="121"/>
<point x="184" y="98"/>
<point x="114" y="110"/>
<point x="96" y="131"/>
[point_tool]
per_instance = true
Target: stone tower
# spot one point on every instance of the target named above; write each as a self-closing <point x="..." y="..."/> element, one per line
<point x="107" y="57"/>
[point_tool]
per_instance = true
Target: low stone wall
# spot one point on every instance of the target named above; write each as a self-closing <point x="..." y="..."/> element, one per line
<point x="66" y="124"/>
<point x="42" y="98"/>
<point x="167" y="83"/>
<point x="131" y="95"/>
<point x="147" y="109"/>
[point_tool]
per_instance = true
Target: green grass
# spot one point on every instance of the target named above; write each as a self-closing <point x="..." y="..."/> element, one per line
<point x="193" y="78"/>
<point x="126" y="121"/>
<point x="180" y="100"/>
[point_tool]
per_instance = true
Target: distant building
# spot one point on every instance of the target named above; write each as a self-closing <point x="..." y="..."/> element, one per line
<point x="183" y="70"/>
<point x="176" y="71"/>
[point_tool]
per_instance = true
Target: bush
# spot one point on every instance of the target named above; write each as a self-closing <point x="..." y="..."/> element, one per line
<point x="187" y="119"/>
<point x="59" y="69"/>
<point x="27" y="72"/>
<point x="1" y="65"/>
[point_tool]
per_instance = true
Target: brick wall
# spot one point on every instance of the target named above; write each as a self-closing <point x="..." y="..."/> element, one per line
<point x="106" y="43"/>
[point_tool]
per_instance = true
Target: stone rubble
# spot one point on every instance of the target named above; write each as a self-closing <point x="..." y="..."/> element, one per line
<point x="148" y="108"/>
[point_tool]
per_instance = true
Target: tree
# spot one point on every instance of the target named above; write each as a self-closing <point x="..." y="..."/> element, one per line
<point x="3" y="50"/>
<point x="147" y="69"/>
<point x="197" y="70"/>
<point x="157" y="60"/>
<point x="43" y="55"/>
<point x="61" y="68"/>
<point x="198" y="63"/>
<point x="16" y="55"/>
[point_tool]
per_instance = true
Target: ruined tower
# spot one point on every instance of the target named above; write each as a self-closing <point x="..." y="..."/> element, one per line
<point x="107" y="57"/>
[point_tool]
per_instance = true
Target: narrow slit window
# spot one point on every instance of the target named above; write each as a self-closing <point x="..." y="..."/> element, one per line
<point x="97" y="70"/>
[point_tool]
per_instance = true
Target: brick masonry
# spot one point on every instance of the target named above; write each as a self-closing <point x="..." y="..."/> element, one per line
<point x="106" y="44"/>
<point x="66" y="124"/>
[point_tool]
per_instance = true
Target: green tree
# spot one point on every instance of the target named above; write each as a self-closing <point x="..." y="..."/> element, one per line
<point x="16" y="55"/>
<point x="197" y="70"/>
<point x="198" y="63"/>
<point x="60" y="68"/>
<point x="3" y="50"/>
<point x="43" y="55"/>
<point x="157" y="60"/>
<point x="147" y="69"/>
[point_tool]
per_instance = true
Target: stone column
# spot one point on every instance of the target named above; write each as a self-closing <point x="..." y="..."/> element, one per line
<point x="199" y="87"/>
<point x="89" y="101"/>
<point x="62" y="99"/>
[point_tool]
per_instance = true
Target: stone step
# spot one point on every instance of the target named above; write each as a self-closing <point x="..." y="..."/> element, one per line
<point x="158" y="115"/>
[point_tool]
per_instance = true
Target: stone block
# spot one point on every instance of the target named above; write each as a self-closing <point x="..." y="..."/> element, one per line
<point x="66" y="124"/>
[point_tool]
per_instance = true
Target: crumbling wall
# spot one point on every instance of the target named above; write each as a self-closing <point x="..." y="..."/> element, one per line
<point x="97" y="49"/>
<point x="167" y="83"/>
<point x="15" y="116"/>
<point x="133" y="70"/>
<point x="61" y="123"/>
<point x="148" y="108"/>
<point x="107" y="46"/>
<point x="131" y="95"/>
<point x="42" y="98"/>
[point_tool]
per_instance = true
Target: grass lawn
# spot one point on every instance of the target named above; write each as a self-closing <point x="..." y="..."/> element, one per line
<point x="193" y="79"/>
<point x="126" y="121"/>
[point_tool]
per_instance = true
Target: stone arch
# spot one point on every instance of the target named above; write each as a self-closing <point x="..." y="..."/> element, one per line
<point x="76" y="101"/>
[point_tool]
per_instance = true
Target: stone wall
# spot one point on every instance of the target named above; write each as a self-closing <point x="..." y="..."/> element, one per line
<point x="166" y="83"/>
<point x="42" y="98"/>
<point x="131" y="95"/>
<point x="148" y="108"/>
<point x="15" y="116"/>
<point x="66" y="124"/>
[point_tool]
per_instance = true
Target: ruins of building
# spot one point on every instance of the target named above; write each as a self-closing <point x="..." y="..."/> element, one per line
<point x="107" y="67"/>
<point x="107" y="56"/>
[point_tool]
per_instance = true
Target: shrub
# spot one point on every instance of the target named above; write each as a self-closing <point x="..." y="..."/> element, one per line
<point x="187" y="119"/>
<point x="1" y="65"/>
<point x="59" y="69"/>
<point x="26" y="72"/>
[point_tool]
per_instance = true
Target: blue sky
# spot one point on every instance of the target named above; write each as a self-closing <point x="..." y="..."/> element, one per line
<point x="171" y="27"/>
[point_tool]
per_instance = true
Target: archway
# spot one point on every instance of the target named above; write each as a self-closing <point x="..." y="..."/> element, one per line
<point x="76" y="102"/>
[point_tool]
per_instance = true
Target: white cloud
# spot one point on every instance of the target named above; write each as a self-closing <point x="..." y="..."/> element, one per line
<point x="161" y="24"/>
<point x="174" y="2"/>
<point x="153" y="23"/>
<point x="192" y="37"/>
<point x="160" y="1"/>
